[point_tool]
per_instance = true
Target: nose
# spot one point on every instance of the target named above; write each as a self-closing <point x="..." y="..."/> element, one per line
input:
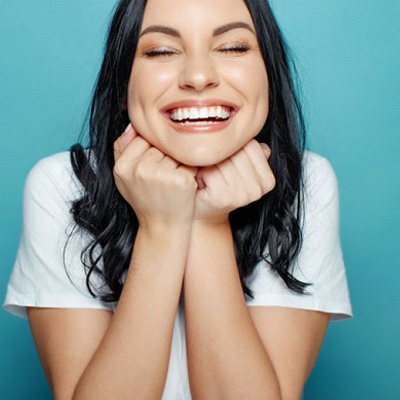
<point x="198" y="73"/>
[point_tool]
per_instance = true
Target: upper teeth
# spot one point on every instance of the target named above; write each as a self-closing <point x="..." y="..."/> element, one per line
<point x="193" y="113"/>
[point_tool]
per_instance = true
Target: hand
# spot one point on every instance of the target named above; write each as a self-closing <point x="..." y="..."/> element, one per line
<point x="235" y="182"/>
<point x="158" y="188"/>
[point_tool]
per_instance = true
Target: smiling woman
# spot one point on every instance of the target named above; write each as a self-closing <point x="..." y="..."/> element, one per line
<point x="188" y="71"/>
<point x="196" y="254"/>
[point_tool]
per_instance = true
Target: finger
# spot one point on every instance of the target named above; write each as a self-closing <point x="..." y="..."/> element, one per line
<point x="134" y="150"/>
<point x="240" y="165"/>
<point x="122" y="142"/>
<point x="259" y="155"/>
<point x="236" y="172"/>
<point x="266" y="150"/>
<point x="154" y="155"/>
<point x="200" y="183"/>
<point x="210" y="177"/>
<point x="170" y="163"/>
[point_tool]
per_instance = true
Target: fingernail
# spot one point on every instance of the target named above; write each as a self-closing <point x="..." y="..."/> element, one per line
<point x="128" y="128"/>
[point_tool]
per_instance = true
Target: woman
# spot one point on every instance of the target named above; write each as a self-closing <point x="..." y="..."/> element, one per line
<point x="197" y="254"/>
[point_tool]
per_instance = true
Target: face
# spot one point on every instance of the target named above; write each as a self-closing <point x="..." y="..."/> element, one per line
<point x="198" y="89"/>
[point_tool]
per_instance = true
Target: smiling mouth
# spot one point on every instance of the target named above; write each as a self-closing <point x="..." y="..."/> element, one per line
<point x="200" y="115"/>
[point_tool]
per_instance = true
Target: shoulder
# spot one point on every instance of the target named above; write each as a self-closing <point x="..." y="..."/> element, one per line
<point x="52" y="168"/>
<point x="317" y="170"/>
<point x="53" y="177"/>
<point x="50" y="190"/>
<point x="320" y="261"/>
<point x="320" y="182"/>
<point x="48" y="270"/>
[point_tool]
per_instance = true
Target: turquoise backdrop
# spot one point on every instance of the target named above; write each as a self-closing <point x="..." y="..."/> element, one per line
<point x="348" y="55"/>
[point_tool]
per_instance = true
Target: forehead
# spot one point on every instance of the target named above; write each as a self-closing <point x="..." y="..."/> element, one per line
<point x="195" y="14"/>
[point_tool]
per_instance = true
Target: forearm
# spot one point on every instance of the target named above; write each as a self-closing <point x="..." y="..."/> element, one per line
<point x="226" y="357"/>
<point x="132" y="360"/>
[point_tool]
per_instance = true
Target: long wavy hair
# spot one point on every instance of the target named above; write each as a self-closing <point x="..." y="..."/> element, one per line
<point x="268" y="229"/>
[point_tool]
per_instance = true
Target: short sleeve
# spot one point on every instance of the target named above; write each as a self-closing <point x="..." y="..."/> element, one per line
<point x="48" y="271"/>
<point x="320" y="261"/>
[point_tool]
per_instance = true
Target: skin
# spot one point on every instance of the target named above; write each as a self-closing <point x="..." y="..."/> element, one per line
<point x="182" y="185"/>
<point x="200" y="62"/>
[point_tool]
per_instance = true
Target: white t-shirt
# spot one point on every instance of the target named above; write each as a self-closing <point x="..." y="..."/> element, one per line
<point x="48" y="271"/>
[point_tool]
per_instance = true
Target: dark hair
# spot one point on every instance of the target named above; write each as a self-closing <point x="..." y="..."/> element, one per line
<point x="267" y="229"/>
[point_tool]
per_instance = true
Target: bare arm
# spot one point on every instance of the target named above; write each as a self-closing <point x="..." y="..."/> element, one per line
<point x="235" y="352"/>
<point x="226" y="356"/>
<point x="91" y="354"/>
<point x="133" y="358"/>
<point x="238" y="352"/>
<point x="292" y="339"/>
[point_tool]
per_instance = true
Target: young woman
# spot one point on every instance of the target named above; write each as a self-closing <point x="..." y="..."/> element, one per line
<point x="197" y="254"/>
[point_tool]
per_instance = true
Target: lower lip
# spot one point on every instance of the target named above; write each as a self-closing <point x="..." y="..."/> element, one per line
<point x="200" y="127"/>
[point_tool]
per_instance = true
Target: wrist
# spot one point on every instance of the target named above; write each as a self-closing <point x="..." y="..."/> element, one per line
<point x="208" y="229"/>
<point x="165" y="229"/>
<point x="210" y="246"/>
<point x="212" y="221"/>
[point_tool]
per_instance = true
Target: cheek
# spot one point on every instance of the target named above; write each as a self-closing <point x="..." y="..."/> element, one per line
<point x="140" y="96"/>
<point x="251" y="80"/>
<point x="148" y="82"/>
<point x="258" y="83"/>
<point x="256" y="91"/>
<point x="260" y="88"/>
<point x="263" y="100"/>
<point x="146" y="87"/>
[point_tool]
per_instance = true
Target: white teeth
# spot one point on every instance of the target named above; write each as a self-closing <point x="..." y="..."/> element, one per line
<point x="180" y="114"/>
<point x="185" y="113"/>
<point x="203" y="112"/>
<point x="212" y="112"/>
<point x="194" y="113"/>
<point x="198" y="123"/>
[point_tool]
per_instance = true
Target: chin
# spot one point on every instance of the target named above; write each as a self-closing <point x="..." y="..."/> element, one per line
<point x="200" y="160"/>
<point x="193" y="162"/>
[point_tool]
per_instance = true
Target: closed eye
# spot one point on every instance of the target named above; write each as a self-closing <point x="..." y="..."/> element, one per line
<point x="159" y="52"/>
<point x="235" y="48"/>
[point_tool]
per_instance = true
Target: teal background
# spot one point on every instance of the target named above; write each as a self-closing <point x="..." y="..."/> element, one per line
<point x="348" y="55"/>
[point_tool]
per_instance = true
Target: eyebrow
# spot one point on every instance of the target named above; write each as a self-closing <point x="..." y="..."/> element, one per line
<point x="233" y="25"/>
<point x="161" y="29"/>
<point x="216" y="32"/>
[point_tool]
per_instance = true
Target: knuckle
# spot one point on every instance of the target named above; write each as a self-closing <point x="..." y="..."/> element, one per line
<point x="270" y="183"/>
<point x="116" y="144"/>
<point x="153" y="151"/>
<point x="266" y="150"/>
<point x="183" y="180"/>
<point x="251" y="196"/>
<point x="221" y="201"/>
<point x="272" y="180"/>
<point x="259" y="192"/>
<point x="141" y="172"/>
<point x="119" y="168"/>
